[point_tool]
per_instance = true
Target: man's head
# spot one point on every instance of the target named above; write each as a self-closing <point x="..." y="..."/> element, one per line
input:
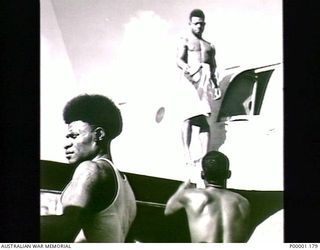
<point x="196" y="22"/>
<point x="215" y="167"/>
<point x="93" y="121"/>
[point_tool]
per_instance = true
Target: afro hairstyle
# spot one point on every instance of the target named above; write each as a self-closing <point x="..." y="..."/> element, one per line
<point x="97" y="110"/>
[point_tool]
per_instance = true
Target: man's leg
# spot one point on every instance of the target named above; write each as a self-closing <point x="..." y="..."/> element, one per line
<point x="191" y="172"/>
<point x="204" y="140"/>
<point x="195" y="128"/>
<point x="186" y="140"/>
<point x="203" y="135"/>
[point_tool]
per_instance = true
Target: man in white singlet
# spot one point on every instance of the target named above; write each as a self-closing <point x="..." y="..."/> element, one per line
<point x="215" y="214"/>
<point x="98" y="203"/>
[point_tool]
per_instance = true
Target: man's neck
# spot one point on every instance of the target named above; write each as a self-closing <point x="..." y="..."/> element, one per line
<point x="103" y="154"/>
<point x="215" y="185"/>
<point x="196" y="36"/>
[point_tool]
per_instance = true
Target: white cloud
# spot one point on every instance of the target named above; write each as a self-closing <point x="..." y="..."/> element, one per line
<point x="146" y="76"/>
<point x="146" y="57"/>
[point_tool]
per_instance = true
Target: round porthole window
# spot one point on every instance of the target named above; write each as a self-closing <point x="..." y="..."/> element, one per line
<point x="160" y="114"/>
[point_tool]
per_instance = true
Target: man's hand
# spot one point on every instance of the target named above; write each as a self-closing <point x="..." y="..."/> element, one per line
<point x="50" y="204"/>
<point x="216" y="89"/>
<point x="193" y="73"/>
<point x="185" y="185"/>
<point x="216" y="93"/>
<point x="186" y="70"/>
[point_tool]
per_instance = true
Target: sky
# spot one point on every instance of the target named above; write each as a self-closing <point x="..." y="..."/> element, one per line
<point x="97" y="34"/>
<point x="126" y="50"/>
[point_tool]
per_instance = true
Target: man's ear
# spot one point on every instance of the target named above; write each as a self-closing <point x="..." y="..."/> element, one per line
<point x="99" y="134"/>
<point x="228" y="174"/>
<point x="202" y="175"/>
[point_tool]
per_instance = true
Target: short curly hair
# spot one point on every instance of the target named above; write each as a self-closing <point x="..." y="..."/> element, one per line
<point x="97" y="110"/>
<point x="218" y="168"/>
<point x="196" y="13"/>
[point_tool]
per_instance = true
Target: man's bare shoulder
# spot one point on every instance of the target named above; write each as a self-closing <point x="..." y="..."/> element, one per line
<point x="189" y="39"/>
<point x="236" y="198"/>
<point x="183" y="40"/>
<point x="208" y="44"/>
<point x="191" y="191"/>
<point x="196" y="199"/>
<point x="197" y="193"/>
<point x="92" y="169"/>
<point x="224" y="194"/>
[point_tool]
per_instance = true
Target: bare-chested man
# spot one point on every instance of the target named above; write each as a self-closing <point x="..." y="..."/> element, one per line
<point x="196" y="58"/>
<point x="215" y="214"/>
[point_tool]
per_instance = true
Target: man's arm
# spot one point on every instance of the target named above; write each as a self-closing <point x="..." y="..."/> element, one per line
<point x="213" y="67"/>
<point x="61" y="228"/>
<point x="177" y="200"/>
<point x="76" y="199"/>
<point x="182" y="53"/>
<point x="86" y="181"/>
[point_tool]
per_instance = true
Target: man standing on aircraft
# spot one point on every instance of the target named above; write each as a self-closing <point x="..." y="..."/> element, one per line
<point x="196" y="59"/>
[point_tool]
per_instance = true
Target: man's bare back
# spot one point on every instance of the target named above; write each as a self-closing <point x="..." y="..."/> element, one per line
<point x="216" y="215"/>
